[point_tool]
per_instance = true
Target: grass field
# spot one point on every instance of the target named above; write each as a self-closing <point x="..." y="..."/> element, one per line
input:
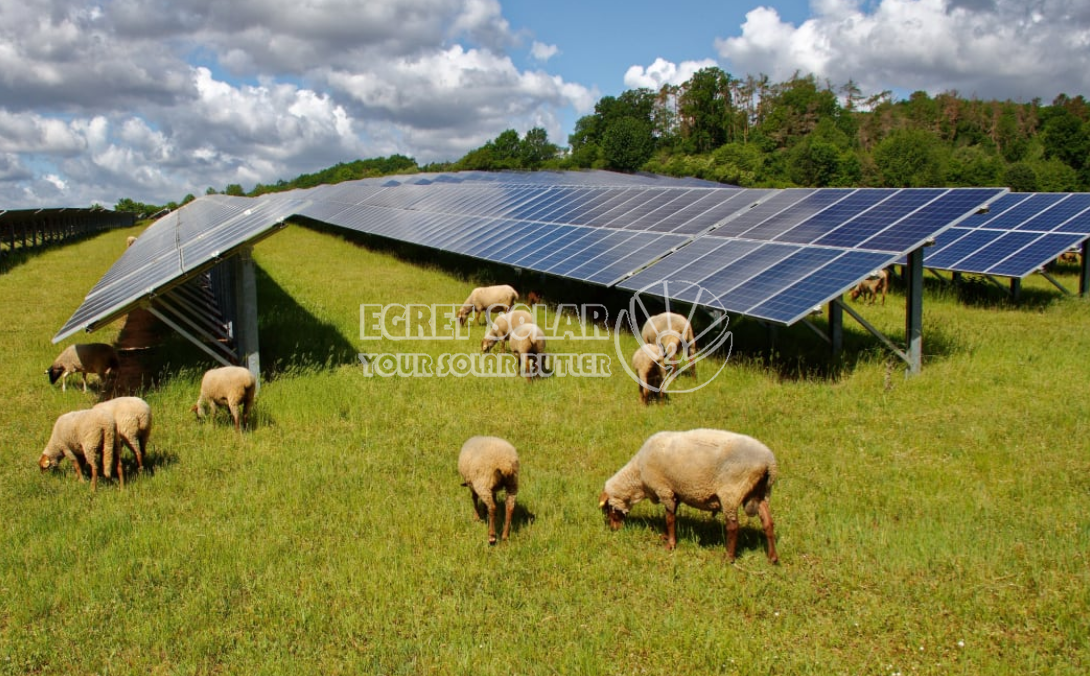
<point x="928" y="525"/>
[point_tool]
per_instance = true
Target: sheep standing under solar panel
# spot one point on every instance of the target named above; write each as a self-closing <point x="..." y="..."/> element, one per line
<point x="711" y="470"/>
<point x="875" y="283"/>
<point x="486" y="300"/>
<point x="230" y="386"/>
<point x="674" y="334"/>
<point x="502" y="327"/>
<point x="83" y="358"/>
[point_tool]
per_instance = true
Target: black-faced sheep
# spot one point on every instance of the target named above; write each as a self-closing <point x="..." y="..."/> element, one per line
<point x="486" y="300"/>
<point x="487" y="465"/>
<point x="673" y="333"/>
<point x="876" y="283"/>
<point x="707" y="469"/>
<point x="650" y="370"/>
<point x="230" y="386"/>
<point x="528" y="346"/>
<point x="83" y="358"/>
<point x="132" y="416"/>
<point x="83" y="434"/>
<point x="501" y="328"/>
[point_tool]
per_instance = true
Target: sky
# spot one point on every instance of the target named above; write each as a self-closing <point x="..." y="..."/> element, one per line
<point x="152" y="100"/>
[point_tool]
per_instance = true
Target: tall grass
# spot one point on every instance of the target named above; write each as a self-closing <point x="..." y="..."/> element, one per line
<point x="933" y="524"/>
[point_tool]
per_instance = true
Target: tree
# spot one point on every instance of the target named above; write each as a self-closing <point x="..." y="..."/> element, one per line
<point x="235" y="190"/>
<point x="706" y="110"/>
<point x="535" y="149"/>
<point x="627" y="144"/>
<point x="909" y="158"/>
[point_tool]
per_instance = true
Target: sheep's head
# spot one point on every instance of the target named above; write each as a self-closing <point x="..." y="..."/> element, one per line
<point x="488" y="342"/>
<point x="46" y="461"/>
<point x="463" y="313"/>
<point x="615" y="514"/>
<point x="54" y="372"/>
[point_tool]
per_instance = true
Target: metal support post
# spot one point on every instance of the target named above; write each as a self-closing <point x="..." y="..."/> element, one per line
<point x="914" y="310"/>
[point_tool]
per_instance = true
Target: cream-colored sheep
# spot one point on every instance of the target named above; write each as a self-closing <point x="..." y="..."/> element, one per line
<point x="648" y="365"/>
<point x="707" y="469"/>
<point x="132" y="416"/>
<point x="230" y="386"/>
<point x="129" y="241"/>
<point x="528" y="346"/>
<point x="83" y="358"/>
<point x="673" y="333"/>
<point x="487" y="465"/>
<point x="84" y="434"/>
<point x="487" y="300"/>
<point x="875" y="283"/>
<point x="501" y="328"/>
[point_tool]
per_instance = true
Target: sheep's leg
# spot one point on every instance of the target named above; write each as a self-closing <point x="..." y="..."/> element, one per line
<point x="84" y="375"/>
<point x="491" y="504"/>
<point x="234" y="416"/>
<point x="140" y="453"/>
<point x="476" y="504"/>
<point x="510" y="515"/>
<point x="732" y="535"/>
<point x="671" y="528"/>
<point x="766" y="520"/>
<point x="93" y="462"/>
<point x="78" y="467"/>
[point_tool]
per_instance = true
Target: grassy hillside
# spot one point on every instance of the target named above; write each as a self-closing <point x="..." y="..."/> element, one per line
<point x="930" y="525"/>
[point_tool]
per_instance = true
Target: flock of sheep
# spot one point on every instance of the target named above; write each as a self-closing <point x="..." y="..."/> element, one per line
<point x="711" y="470"/>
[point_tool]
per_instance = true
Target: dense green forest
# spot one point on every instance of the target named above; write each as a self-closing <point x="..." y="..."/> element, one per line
<point x="800" y="133"/>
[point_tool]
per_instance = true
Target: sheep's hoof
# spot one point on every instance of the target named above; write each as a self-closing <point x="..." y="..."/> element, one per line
<point x="492" y="542"/>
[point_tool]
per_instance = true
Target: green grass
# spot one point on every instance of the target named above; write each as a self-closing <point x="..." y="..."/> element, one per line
<point x="927" y="525"/>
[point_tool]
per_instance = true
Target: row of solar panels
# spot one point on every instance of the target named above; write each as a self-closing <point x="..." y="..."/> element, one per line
<point x="772" y="254"/>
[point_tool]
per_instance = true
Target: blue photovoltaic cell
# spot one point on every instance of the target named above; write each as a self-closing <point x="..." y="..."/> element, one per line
<point x="653" y="246"/>
<point x="588" y="238"/>
<point x="481" y="231"/>
<point x="834" y="216"/>
<point x="1008" y="212"/>
<point x="617" y="244"/>
<point x="964" y="246"/>
<point x="774" y="278"/>
<point x="737" y="227"/>
<point x="832" y="280"/>
<point x="911" y="231"/>
<point x="703" y="201"/>
<point x="943" y="240"/>
<point x="516" y="236"/>
<point x="616" y="199"/>
<point x="567" y="201"/>
<point x="681" y="200"/>
<point x="727" y="278"/>
<point x="535" y="258"/>
<point x="794" y="215"/>
<point x="632" y="218"/>
<point x="682" y="262"/>
<point x="540" y="242"/>
<point x="730" y="203"/>
<point x="1058" y="215"/>
<point x="1004" y="246"/>
<point x="864" y="226"/>
<point x="1045" y="249"/>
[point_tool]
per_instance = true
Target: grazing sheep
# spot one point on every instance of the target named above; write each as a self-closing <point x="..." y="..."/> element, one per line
<point x="488" y="464"/>
<point x="485" y="300"/>
<point x="83" y="434"/>
<point x="534" y="298"/>
<point x="501" y="328"/>
<point x="83" y="358"/>
<point x="528" y="346"/>
<point x="673" y="333"/>
<point x="231" y="386"/>
<point x="648" y="365"/>
<point x="707" y="469"/>
<point x="129" y="241"/>
<point x="132" y="416"/>
<point x="875" y="283"/>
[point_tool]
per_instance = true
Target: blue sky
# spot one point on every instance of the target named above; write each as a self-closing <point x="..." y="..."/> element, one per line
<point x="108" y="99"/>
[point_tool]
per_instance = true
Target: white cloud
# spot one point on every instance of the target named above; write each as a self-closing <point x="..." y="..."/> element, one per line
<point x="543" y="52"/>
<point x="987" y="48"/>
<point x="663" y="72"/>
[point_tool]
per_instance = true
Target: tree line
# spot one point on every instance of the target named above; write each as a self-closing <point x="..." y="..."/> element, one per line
<point x="802" y="132"/>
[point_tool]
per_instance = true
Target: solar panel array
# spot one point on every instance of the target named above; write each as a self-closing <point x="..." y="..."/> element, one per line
<point x="1020" y="233"/>
<point x="772" y="254"/>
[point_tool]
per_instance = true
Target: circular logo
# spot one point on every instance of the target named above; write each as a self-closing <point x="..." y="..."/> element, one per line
<point x="671" y="333"/>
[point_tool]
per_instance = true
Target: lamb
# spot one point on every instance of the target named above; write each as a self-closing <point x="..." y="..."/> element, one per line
<point x="501" y="328"/>
<point x="674" y="334"/>
<point x="231" y="386"/>
<point x="486" y="299"/>
<point x="708" y="469"/>
<point x="83" y="358"/>
<point x="488" y="464"/>
<point x="83" y="434"/>
<point x="132" y="417"/>
<point x="650" y="370"/>
<point x="875" y="283"/>
<point x="528" y="346"/>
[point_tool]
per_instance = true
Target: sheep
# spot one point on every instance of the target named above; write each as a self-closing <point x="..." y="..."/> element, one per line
<point x="650" y="370"/>
<point x="129" y="241"/>
<point x="875" y="283"/>
<point x="501" y="328"/>
<point x="534" y="298"/>
<point x="232" y="386"/>
<point x="83" y="434"/>
<point x="132" y="416"/>
<point x="488" y="464"/>
<point x="83" y="358"/>
<point x="674" y="334"/>
<point x="528" y="346"/>
<point x="485" y="299"/>
<point x="708" y="469"/>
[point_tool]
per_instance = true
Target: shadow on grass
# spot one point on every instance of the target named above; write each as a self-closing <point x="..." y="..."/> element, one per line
<point x="521" y="517"/>
<point x="707" y="531"/>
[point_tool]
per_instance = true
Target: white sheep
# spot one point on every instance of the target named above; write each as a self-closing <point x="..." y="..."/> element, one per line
<point x="83" y="434"/>
<point x="528" y="346"/>
<point x="83" y="358"/>
<point x="132" y="416"/>
<point x="231" y="386"/>
<point x="707" y="469"/>
<point x="673" y="333"/>
<point x="129" y="241"/>
<point x="650" y="370"/>
<point x="501" y="328"/>
<point x="486" y="300"/>
<point x="487" y="465"/>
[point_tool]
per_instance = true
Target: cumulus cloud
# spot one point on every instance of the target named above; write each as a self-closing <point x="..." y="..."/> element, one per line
<point x="663" y="72"/>
<point x="543" y="52"/>
<point x="987" y="48"/>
